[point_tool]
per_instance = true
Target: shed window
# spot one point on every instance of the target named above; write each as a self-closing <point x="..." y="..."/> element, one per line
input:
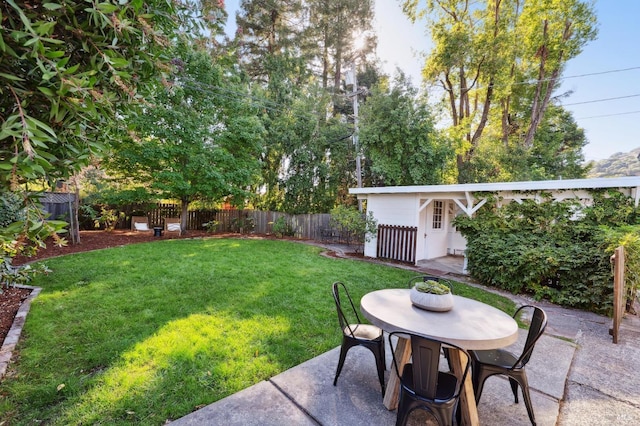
<point x="438" y="211"/>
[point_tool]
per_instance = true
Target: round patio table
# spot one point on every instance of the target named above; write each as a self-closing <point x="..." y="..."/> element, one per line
<point x="469" y="324"/>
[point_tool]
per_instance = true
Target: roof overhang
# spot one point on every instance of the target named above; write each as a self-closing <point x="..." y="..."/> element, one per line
<point x="621" y="182"/>
<point x="463" y="193"/>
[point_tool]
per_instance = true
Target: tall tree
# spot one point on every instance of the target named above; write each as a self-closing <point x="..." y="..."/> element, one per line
<point x="281" y="45"/>
<point x="557" y="147"/>
<point x="399" y="138"/>
<point x="266" y="28"/>
<point x="195" y="139"/>
<point x="554" y="32"/>
<point x="499" y="61"/>
<point x="339" y="31"/>
<point x="65" y="69"/>
<point x="317" y="152"/>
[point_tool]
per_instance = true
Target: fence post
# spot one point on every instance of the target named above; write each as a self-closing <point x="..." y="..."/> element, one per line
<point x="619" y="299"/>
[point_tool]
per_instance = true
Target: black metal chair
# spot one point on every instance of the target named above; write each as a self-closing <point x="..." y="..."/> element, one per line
<point x="423" y="385"/>
<point x="354" y="333"/>
<point x="502" y="362"/>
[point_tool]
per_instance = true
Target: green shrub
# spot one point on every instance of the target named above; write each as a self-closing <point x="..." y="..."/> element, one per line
<point x="18" y="275"/>
<point x="283" y="227"/>
<point x="211" y="226"/>
<point x="11" y="208"/>
<point x="554" y="250"/>
<point x="107" y="217"/>
<point x="356" y="224"/>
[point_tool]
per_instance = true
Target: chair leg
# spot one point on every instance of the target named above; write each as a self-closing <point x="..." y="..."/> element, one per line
<point x="527" y="397"/>
<point x="343" y="354"/>
<point x="380" y="365"/>
<point x="403" y="410"/>
<point x="478" y="382"/>
<point x="514" y="388"/>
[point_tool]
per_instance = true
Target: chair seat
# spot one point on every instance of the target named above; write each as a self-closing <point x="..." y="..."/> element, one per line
<point x="446" y="383"/>
<point x="364" y="331"/>
<point x="497" y="357"/>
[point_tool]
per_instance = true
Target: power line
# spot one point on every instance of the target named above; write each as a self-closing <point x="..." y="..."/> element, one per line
<point x="557" y="79"/>
<point x="603" y="100"/>
<point x="577" y="76"/>
<point x="281" y="108"/>
<point x="610" y="115"/>
<point x="255" y="102"/>
<point x="600" y="73"/>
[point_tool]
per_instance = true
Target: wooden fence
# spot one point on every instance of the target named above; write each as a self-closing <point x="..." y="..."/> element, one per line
<point x="305" y="226"/>
<point x="397" y="243"/>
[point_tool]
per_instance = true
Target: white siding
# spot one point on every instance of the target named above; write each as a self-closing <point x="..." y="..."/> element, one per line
<point x="400" y="205"/>
<point x="391" y="209"/>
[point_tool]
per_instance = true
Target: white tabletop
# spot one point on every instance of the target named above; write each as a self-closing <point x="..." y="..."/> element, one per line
<point x="469" y="324"/>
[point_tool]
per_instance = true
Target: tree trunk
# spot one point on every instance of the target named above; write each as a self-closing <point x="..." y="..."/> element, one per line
<point x="184" y="215"/>
<point x="545" y="85"/>
<point x="325" y="59"/>
<point x="336" y="77"/>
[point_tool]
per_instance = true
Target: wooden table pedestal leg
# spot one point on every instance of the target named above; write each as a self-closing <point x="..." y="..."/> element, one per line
<point x="402" y="354"/>
<point x="468" y="407"/>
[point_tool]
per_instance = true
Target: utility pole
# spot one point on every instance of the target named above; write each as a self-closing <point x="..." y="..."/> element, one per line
<point x="355" y="130"/>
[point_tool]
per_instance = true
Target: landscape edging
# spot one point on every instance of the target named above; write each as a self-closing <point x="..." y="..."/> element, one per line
<point x="11" y="340"/>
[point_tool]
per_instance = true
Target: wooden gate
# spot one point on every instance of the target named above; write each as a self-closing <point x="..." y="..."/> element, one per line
<point x="397" y="243"/>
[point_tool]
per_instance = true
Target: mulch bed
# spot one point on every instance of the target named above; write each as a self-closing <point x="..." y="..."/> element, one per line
<point x="10" y="301"/>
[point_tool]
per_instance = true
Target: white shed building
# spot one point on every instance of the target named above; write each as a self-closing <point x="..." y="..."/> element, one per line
<point x="415" y="222"/>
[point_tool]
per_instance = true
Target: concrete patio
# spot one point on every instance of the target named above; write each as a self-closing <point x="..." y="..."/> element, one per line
<point x="589" y="382"/>
<point x="577" y="377"/>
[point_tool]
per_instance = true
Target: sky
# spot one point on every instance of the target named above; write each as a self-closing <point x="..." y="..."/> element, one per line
<point x="608" y="67"/>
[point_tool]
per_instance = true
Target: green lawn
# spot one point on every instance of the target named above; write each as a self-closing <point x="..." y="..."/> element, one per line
<point x="149" y="332"/>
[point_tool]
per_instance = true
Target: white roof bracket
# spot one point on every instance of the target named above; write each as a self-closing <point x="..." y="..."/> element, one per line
<point x="477" y="206"/>
<point x="464" y="208"/>
<point x="425" y="204"/>
<point x="469" y="198"/>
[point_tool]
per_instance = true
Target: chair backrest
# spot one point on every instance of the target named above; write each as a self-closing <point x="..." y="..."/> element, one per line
<point x="172" y="224"/>
<point x="536" y="329"/>
<point x="349" y="317"/>
<point x="425" y="354"/>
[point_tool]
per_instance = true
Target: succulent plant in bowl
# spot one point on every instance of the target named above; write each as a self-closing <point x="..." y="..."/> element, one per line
<point x="432" y="295"/>
<point x="433" y="287"/>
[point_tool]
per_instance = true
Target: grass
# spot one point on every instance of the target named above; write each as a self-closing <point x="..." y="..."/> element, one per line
<point x="149" y="332"/>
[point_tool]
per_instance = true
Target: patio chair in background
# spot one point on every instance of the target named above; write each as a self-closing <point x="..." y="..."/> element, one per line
<point x="140" y="223"/>
<point x="501" y="362"/>
<point x="172" y="224"/>
<point x="354" y="333"/>
<point x="423" y="385"/>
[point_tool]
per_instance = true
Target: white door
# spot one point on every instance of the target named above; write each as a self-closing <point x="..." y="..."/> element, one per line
<point x="436" y="229"/>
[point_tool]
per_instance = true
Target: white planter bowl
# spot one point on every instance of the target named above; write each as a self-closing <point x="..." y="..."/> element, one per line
<point x="431" y="302"/>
